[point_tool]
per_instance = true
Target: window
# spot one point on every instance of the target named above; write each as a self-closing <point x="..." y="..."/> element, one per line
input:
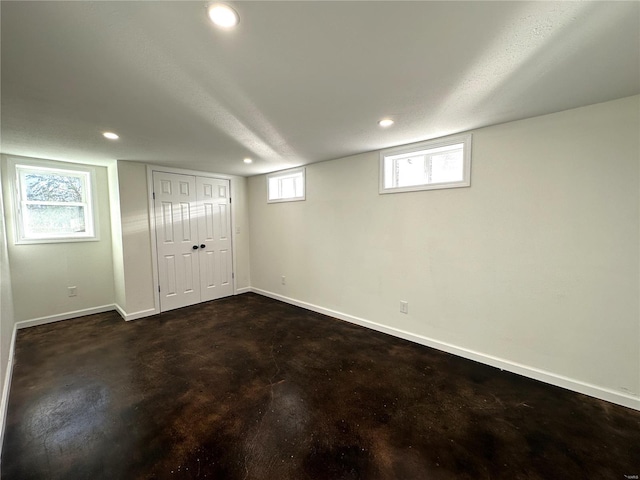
<point x="53" y="203"/>
<point x="286" y="186"/>
<point x="442" y="163"/>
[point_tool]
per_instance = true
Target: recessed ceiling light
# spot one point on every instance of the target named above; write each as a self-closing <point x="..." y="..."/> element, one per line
<point x="385" y="122"/>
<point x="223" y="15"/>
<point x="110" y="135"/>
<point x="247" y="160"/>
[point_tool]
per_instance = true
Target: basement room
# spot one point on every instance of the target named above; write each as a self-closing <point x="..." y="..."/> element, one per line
<point x="319" y="240"/>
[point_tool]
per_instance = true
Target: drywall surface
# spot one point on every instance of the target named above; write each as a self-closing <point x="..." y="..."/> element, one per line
<point x="41" y="273"/>
<point x="240" y="220"/>
<point x="136" y="239"/>
<point x="6" y="301"/>
<point x="536" y="263"/>
<point x="119" y="293"/>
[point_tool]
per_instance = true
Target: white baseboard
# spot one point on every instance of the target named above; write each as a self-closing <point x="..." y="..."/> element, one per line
<point x="63" y="316"/>
<point x="4" y="401"/>
<point x="243" y="290"/>
<point x="135" y="315"/>
<point x="601" y="393"/>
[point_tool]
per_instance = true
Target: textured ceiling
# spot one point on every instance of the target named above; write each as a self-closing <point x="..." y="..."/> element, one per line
<point x="296" y="82"/>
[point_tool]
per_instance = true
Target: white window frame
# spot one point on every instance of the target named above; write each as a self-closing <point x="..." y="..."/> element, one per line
<point x="87" y="173"/>
<point x="465" y="140"/>
<point x="285" y="174"/>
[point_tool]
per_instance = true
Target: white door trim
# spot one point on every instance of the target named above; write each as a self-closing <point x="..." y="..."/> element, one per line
<point x="152" y="222"/>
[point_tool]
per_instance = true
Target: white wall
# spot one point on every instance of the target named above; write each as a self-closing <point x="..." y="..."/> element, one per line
<point x="7" y="320"/>
<point x="537" y="263"/>
<point x="41" y="273"/>
<point x="136" y="239"/>
<point x="241" y="231"/>
<point x="117" y="249"/>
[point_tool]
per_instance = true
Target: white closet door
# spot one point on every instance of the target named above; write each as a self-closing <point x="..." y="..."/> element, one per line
<point x="214" y="232"/>
<point x="177" y="235"/>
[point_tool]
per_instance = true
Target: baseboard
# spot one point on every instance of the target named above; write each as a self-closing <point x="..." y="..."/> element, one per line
<point x="242" y="290"/>
<point x="135" y="315"/>
<point x="63" y="316"/>
<point x="578" y="386"/>
<point x="4" y="402"/>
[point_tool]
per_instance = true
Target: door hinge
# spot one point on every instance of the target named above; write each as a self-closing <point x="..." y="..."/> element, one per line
<point x="154" y="195"/>
<point x="158" y="288"/>
<point x="233" y="275"/>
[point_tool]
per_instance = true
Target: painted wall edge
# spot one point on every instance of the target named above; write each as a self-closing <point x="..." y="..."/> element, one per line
<point x="4" y="402"/>
<point x="135" y="315"/>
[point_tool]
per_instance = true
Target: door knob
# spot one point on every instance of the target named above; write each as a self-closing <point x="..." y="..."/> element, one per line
<point x="203" y="246"/>
<point x="195" y="247"/>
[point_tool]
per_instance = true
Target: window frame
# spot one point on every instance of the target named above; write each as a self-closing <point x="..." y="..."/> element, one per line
<point x="465" y="140"/>
<point x="17" y="169"/>
<point x="287" y="174"/>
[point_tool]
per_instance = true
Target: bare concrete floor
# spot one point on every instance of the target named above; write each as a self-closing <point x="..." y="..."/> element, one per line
<point x="250" y="388"/>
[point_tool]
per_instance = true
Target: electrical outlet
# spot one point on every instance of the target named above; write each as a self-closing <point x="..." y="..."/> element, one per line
<point x="284" y="280"/>
<point x="73" y="291"/>
<point x="404" y="306"/>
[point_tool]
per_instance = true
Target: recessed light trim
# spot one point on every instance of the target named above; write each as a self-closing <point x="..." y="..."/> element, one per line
<point x="385" y="122"/>
<point x="111" y="135"/>
<point x="223" y="15"/>
<point x="247" y="160"/>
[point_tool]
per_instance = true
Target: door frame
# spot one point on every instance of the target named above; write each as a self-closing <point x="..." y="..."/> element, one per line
<point x="152" y="222"/>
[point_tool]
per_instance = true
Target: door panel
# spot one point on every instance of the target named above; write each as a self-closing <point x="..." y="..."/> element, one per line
<point x="214" y="225"/>
<point x="225" y="265"/>
<point x="190" y="266"/>
<point x="186" y="223"/>
<point x="170" y="275"/>
<point x="167" y="222"/>
<point x="209" y="269"/>
<point x="176" y="234"/>
<point x="223" y="222"/>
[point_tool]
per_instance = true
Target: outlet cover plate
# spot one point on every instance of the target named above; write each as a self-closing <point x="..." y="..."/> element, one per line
<point x="404" y="306"/>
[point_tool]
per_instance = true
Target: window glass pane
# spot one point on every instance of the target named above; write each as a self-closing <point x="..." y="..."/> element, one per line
<point x="288" y="187"/>
<point x="389" y="177"/>
<point x="52" y="187"/>
<point x="298" y="186"/>
<point x="411" y="171"/>
<point x="53" y="220"/>
<point x="447" y="167"/>
<point x="274" y="191"/>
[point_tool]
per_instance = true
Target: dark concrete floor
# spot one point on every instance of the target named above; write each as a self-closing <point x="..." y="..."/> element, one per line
<point x="250" y="388"/>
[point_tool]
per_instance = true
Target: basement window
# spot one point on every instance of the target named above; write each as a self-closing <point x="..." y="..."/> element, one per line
<point x="53" y="202"/>
<point x="435" y="164"/>
<point x="286" y="186"/>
